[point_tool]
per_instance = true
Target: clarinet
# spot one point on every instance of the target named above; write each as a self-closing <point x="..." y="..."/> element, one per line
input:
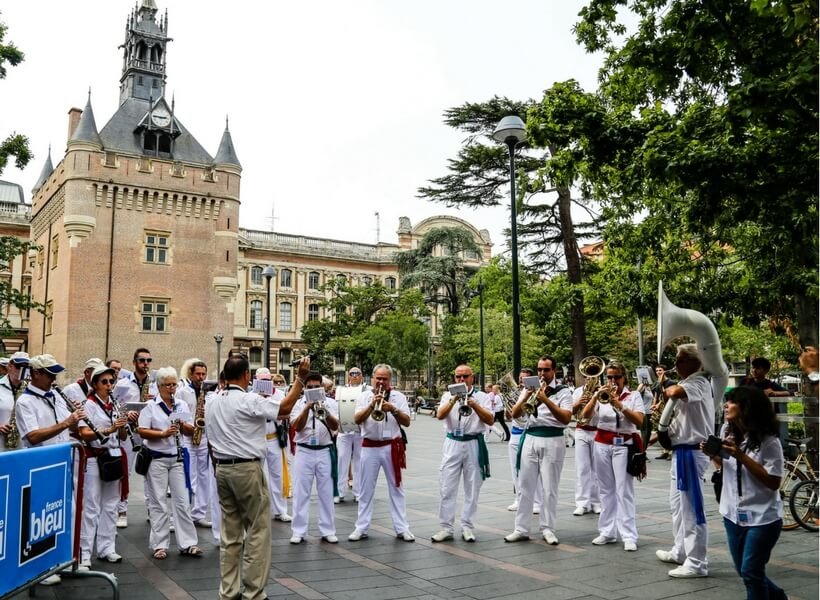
<point x="178" y="440"/>
<point x="122" y="411"/>
<point x="72" y="406"/>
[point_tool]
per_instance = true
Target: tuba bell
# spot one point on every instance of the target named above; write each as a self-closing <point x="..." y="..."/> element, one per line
<point x="674" y="322"/>
<point x="591" y="368"/>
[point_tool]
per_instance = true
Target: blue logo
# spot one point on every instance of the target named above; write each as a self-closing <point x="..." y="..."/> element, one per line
<point x="42" y="511"/>
<point x="4" y="515"/>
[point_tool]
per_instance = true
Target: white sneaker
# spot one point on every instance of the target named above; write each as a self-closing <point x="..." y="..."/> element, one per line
<point x="203" y="523"/>
<point x="112" y="558"/>
<point x="122" y="521"/>
<point x="596" y="509"/>
<point x="467" y="535"/>
<point x="51" y="580"/>
<point x="516" y="536"/>
<point x="550" y="537"/>
<point x="580" y="511"/>
<point x="442" y="536"/>
<point x="667" y="557"/>
<point x="330" y="539"/>
<point x="356" y="536"/>
<point x="536" y="510"/>
<point x="630" y="547"/>
<point x="336" y="500"/>
<point x="602" y="540"/>
<point x="284" y="517"/>
<point x="296" y="540"/>
<point x="407" y="536"/>
<point x="513" y="507"/>
<point x="84" y="565"/>
<point x="685" y="573"/>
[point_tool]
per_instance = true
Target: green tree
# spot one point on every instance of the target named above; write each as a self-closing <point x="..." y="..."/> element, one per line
<point x="15" y="144"/>
<point x="400" y="340"/>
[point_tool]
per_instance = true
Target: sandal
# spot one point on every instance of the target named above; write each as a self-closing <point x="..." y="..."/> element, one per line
<point x="160" y="554"/>
<point x="191" y="551"/>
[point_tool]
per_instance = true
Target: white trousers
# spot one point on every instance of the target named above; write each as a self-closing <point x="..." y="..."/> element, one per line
<point x="617" y="493"/>
<point x="691" y="539"/>
<point x="312" y="465"/>
<point x="349" y="447"/>
<point x="202" y="478"/>
<point x="512" y="451"/>
<point x="273" y="460"/>
<point x="167" y="473"/>
<point x="542" y="456"/>
<point x="372" y="460"/>
<point x="458" y="459"/>
<point x="122" y="505"/>
<point x="100" y="501"/>
<point x="586" y="482"/>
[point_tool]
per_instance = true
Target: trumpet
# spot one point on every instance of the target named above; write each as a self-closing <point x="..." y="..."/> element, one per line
<point x="606" y="394"/>
<point x="72" y="406"/>
<point x="319" y="411"/>
<point x="530" y="407"/>
<point x="377" y="414"/>
<point x="464" y="409"/>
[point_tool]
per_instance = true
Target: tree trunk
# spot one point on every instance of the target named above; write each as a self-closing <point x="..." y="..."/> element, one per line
<point x="573" y="258"/>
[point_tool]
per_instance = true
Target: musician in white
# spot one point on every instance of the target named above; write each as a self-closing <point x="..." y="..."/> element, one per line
<point x="619" y="422"/>
<point x="587" y="497"/>
<point x="518" y="425"/>
<point x="691" y="425"/>
<point x="202" y="477"/>
<point x="382" y="449"/>
<point x="464" y="454"/>
<point x="275" y="461"/>
<point x="80" y="389"/>
<point x="161" y="425"/>
<point x="100" y="498"/>
<point x="315" y="460"/>
<point x="9" y="386"/>
<point x="541" y="451"/>
<point x="349" y="443"/>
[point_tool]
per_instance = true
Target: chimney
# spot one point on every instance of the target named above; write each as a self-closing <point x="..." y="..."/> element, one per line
<point x="73" y="120"/>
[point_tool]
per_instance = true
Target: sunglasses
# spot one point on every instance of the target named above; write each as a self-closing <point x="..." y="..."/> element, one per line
<point x="543" y="369"/>
<point x="144" y="360"/>
<point x="463" y="376"/>
<point x="615" y="377"/>
<point x="107" y="381"/>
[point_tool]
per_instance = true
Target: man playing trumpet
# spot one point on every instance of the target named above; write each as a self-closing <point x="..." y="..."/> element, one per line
<point x="464" y="454"/>
<point x="541" y="450"/>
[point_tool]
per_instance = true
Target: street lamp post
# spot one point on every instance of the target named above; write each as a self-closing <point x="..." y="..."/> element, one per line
<point x="472" y="294"/>
<point x="510" y="130"/>
<point x="218" y="340"/>
<point x="268" y="273"/>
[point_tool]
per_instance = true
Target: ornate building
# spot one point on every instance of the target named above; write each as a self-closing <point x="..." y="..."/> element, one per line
<point x="140" y="245"/>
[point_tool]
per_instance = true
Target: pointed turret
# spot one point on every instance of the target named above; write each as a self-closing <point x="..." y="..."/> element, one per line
<point x="86" y="135"/>
<point x="226" y="155"/>
<point x="48" y="169"/>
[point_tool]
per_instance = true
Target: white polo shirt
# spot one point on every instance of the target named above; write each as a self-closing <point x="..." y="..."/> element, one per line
<point x="153" y="416"/>
<point x="758" y="505"/>
<point x="694" y="417"/>
<point x="36" y="411"/>
<point x="236" y="420"/>
<point x="97" y="415"/>
<point x="471" y="425"/>
<point x="544" y="416"/>
<point x="314" y="430"/>
<point x="389" y="428"/>
<point x="609" y="420"/>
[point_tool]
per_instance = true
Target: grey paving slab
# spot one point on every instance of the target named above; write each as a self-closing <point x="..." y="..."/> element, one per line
<point x="383" y="568"/>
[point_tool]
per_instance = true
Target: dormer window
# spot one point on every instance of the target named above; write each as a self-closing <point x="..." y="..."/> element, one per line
<point x="155" y="142"/>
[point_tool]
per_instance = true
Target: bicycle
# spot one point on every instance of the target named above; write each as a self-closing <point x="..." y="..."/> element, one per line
<point x="803" y="504"/>
<point x="793" y="475"/>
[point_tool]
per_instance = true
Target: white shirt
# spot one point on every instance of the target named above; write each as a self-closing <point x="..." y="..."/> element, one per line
<point x="128" y="390"/>
<point x="467" y="425"/>
<point x="389" y="428"/>
<point x="75" y="391"/>
<point x="521" y="421"/>
<point x="608" y="418"/>
<point x="35" y="412"/>
<point x="758" y="504"/>
<point x="189" y="396"/>
<point x="236" y="421"/>
<point x="102" y="421"/>
<point x="544" y="416"/>
<point x="577" y="393"/>
<point x="270" y="425"/>
<point x="154" y="417"/>
<point x="694" y="417"/>
<point x="314" y="430"/>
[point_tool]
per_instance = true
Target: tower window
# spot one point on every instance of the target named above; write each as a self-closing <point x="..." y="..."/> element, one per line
<point x="157" y="247"/>
<point x="154" y="315"/>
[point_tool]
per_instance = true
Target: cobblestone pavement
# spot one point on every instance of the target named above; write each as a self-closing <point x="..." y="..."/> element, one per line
<point x="383" y="567"/>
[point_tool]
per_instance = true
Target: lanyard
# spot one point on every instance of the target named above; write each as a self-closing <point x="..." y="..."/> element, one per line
<point x="49" y="400"/>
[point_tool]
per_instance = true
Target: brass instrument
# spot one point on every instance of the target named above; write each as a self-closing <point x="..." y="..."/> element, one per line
<point x="144" y="389"/>
<point x="178" y="440"/>
<point x="377" y="414"/>
<point x="464" y="409"/>
<point x="199" y="417"/>
<point x="72" y="406"/>
<point x="530" y="407"/>
<point x="509" y="392"/>
<point x="606" y="394"/>
<point x="319" y="411"/>
<point x="13" y="436"/>
<point x="591" y="368"/>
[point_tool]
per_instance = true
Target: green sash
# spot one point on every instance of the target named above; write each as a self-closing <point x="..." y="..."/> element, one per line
<point x="483" y="455"/>
<point x="543" y="432"/>
<point x="334" y="463"/>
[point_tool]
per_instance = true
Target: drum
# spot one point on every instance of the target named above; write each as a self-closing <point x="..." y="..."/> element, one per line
<point x="346" y="398"/>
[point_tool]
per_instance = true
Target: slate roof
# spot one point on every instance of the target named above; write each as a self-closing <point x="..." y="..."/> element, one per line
<point x="11" y="193"/>
<point x="48" y="169"/>
<point x="86" y="130"/>
<point x="226" y="155"/>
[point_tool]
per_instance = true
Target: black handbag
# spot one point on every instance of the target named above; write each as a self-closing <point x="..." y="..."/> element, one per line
<point x="143" y="461"/>
<point x="110" y="466"/>
<point x="636" y="462"/>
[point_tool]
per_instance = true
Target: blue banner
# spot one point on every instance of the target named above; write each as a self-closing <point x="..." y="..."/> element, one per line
<point x="35" y="513"/>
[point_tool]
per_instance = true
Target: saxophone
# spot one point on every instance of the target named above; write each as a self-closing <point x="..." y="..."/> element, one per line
<point x="13" y="436"/>
<point x="199" y="418"/>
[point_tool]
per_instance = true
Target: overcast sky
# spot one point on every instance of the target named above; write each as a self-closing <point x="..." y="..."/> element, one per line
<point x="335" y="107"/>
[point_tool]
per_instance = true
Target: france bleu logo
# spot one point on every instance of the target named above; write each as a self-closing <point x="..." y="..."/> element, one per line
<point x="43" y="511"/>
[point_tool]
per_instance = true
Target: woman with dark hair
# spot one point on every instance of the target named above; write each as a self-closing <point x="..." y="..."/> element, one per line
<point x="752" y="510"/>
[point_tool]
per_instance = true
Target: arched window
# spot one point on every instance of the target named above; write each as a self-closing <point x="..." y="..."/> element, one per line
<point x="313" y="312"/>
<point x="286" y="278"/>
<point x="256" y="275"/>
<point x="341" y="279"/>
<point x="286" y="316"/>
<point x="390" y="283"/>
<point x="255" y="318"/>
<point x="367" y="281"/>
<point x="313" y="280"/>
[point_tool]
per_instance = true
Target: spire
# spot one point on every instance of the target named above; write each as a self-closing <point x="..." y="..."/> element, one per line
<point x="48" y="169"/>
<point x="86" y="131"/>
<point x="226" y="155"/>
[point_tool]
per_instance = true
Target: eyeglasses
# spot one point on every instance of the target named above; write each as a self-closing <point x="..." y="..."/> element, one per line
<point x="463" y="375"/>
<point x="144" y="359"/>
<point x="355" y="373"/>
<point x="169" y="385"/>
<point x="107" y="381"/>
<point x="544" y="369"/>
<point x="615" y="377"/>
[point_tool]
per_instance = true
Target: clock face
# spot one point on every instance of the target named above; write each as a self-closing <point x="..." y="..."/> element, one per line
<point x="160" y="117"/>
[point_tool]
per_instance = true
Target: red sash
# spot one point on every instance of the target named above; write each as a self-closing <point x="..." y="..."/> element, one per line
<point x="607" y="437"/>
<point x="397" y="454"/>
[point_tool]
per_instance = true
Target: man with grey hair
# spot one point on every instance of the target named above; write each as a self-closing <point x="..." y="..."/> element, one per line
<point x="382" y="449"/>
<point x="691" y="425"/>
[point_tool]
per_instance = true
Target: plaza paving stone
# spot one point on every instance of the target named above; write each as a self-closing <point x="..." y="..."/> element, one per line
<point x="384" y="568"/>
